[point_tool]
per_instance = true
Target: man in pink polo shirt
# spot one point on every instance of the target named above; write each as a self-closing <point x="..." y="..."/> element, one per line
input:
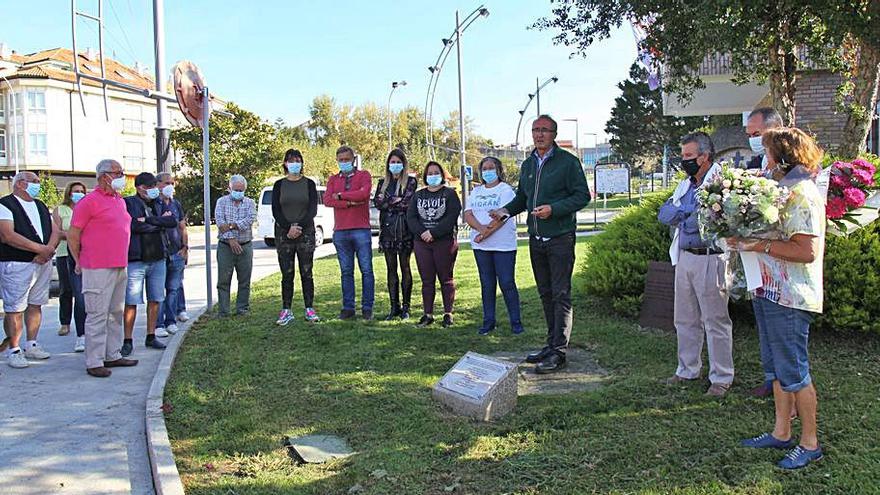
<point x="98" y="240"/>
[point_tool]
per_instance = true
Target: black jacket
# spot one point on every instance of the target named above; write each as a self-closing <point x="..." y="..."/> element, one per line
<point x="23" y="227"/>
<point x="148" y="241"/>
<point x="755" y="162"/>
<point x="435" y="211"/>
<point x="307" y="220"/>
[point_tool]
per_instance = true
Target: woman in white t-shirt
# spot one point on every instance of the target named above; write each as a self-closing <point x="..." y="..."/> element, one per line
<point x="494" y="243"/>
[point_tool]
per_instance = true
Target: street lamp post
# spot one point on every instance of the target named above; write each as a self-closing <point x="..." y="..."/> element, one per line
<point x="577" y="140"/>
<point x="532" y="96"/>
<point x="394" y="85"/>
<point x="595" y="179"/>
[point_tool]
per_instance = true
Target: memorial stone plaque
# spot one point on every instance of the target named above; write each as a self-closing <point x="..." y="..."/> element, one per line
<point x="659" y="296"/>
<point x="479" y="387"/>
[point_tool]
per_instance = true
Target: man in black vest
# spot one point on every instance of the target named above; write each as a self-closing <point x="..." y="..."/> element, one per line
<point x="27" y="243"/>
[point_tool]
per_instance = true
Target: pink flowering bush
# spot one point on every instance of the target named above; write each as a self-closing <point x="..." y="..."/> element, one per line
<point x="849" y="186"/>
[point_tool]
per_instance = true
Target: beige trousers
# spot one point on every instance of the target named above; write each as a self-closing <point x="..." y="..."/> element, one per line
<point x="701" y="309"/>
<point x="104" y="294"/>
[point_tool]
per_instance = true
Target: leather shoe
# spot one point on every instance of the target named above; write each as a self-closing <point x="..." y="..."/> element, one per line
<point x="551" y="364"/>
<point x="538" y="356"/>
<point x="116" y="363"/>
<point x="99" y="372"/>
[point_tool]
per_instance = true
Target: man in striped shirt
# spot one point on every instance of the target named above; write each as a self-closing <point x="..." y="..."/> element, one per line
<point x="235" y="215"/>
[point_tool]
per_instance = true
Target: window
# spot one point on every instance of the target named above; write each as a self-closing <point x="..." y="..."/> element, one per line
<point x="2" y="143"/>
<point x="267" y="198"/>
<point x="133" y="121"/>
<point x="133" y="155"/>
<point x="38" y="145"/>
<point x="36" y="99"/>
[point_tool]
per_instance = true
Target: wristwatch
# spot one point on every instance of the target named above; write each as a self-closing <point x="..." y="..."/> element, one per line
<point x="767" y="247"/>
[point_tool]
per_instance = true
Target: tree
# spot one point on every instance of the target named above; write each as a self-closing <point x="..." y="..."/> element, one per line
<point x="639" y="131"/>
<point x="240" y="144"/>
<point x="764" y="40"/>
<point x="49" y="193"/>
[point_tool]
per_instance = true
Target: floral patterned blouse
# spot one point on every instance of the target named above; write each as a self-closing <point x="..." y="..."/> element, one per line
<point x="787" y="283"/>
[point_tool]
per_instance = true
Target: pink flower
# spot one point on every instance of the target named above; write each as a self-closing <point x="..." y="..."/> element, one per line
<point x="865" y="165"/>
<point x="839" y="181"/>
<point x="863" y="177"/>
<point x="854" y="197"/>
<point x="835" y="208"/>
<point x="842" y="165"/>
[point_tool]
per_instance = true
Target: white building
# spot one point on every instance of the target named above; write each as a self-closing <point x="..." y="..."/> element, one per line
<point x="45" y="126"/>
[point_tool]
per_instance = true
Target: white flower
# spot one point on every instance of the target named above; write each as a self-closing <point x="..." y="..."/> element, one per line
<point x="726" y="183"/>
<point x="716" y="207"/>
<point x="737" y="183"/>
<point x="771" y="214"/>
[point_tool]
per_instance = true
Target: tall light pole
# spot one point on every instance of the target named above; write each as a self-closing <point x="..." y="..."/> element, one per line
<point x="532" y="96"/>
<point x="163" y="132"/>
<point x="577" y="141"/>
<point x="462" y="137"/>
<point x="437" y="66"/>
<point x="595" y="148"/>
<point x="394" y="85"/>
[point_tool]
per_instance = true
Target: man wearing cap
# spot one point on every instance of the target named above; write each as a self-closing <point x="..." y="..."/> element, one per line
<point x="147" y="251"/>
<point x="27" y="242"/>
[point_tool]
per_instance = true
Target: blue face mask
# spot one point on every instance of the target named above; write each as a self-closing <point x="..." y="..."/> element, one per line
<point x="434" y="180"/>
<point x="33" y="189"/>
<point x="294" y="168"/>
<point x="346" y="167"/>
<point x="237" y="195"/>
<point x="153" y="192"/>
<point x="490" y="176"/>
<point x="75" y="197"/>
<point x="395" y="168"/>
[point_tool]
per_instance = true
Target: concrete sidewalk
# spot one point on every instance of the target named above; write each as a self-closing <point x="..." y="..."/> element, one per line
<point x="62" y="431"/>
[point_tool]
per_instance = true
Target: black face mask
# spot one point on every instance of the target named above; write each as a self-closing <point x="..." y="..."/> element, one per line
<point x="690" y="167"/>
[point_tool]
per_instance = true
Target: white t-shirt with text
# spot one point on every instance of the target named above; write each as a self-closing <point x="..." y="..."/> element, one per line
<point x="30" y="207"/>
<point x="480" y="202"/>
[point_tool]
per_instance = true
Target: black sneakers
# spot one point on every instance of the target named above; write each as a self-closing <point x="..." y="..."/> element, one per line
<point x="425" y="320"/>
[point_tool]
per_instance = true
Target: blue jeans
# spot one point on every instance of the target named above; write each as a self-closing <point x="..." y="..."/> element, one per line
<point x="784" y="335"/>
<point x="173" y="283"/>
<point x="498" y="268"/>
<point x="349" y="243"/>
<point x="150" y="272"/>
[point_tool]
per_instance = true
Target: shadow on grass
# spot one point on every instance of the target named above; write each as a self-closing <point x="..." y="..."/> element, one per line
<point x="242" y="383"/>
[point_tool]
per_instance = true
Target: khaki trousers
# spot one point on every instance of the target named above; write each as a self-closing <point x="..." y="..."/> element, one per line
<point x="104" y="294"/>
<point x="701" y="309"/>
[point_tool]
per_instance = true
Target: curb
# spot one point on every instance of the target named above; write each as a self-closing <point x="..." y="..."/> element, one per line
<point x="166" y="478"/>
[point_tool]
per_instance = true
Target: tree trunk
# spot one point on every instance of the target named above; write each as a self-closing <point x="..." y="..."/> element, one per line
<point x="865" y="78"/>
<point x="783" y="81"/>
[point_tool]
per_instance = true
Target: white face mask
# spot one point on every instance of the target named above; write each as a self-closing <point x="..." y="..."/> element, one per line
<point x="118" y="184"/>
<point x="168" y="191"/>
<point x="756" y="144"/>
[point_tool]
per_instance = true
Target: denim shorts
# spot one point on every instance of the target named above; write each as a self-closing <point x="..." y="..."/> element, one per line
<point x="784" y="333"/>
<point x="151" y="272"/>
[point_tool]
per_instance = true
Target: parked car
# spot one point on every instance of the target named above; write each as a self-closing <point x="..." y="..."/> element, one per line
<point x="266" y="222"/>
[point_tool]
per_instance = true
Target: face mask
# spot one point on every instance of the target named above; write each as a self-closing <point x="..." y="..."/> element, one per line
<point x="490" y="176"/>
<point x="434" y="180"/>
<point x="237" y="195"/>
<point x="395" y="168"/>
<point x="75" y="197"/>
<point x="756" y="144"/>
<point x="153" y="192"/>
<point x="168" y="191"/>
<point x="33" y="189"/>
<point x="690" y="167"/>
<point x="118" y="184"/>
<point x="294" y="168"/>
<point x="346" y="167"/>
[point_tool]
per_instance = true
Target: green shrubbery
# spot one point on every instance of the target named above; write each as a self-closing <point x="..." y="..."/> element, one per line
<point x="616" y="266"/>
<point x="618" y="261"/>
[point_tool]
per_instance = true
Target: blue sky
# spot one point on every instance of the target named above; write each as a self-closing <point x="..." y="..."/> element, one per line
<point x="274" y="56"/>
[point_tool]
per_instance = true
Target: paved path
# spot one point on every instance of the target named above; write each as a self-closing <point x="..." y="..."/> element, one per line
<point x="64" y="432"/>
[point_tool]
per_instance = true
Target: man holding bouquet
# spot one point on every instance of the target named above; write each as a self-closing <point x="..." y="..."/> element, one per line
<point x="700" y="297"/>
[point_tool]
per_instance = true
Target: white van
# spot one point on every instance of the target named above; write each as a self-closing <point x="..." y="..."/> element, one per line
<point x="266" y="222"/>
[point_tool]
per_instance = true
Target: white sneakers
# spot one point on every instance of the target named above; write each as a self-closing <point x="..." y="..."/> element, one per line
<point x="160" y="332"/>
<point x="182" y="316"/>
<point x="80" y="345"/>
<point x="35" y="352"/>
<point x="17" y="360"/>
<point x="171" y="329"/>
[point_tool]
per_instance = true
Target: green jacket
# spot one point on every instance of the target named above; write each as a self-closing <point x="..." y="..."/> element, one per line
<point x="559" y="183"/>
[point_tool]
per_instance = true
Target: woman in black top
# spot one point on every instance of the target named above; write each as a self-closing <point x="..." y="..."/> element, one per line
<point x="393" y="195"/>
<point x="294" y="206"/>
<point x="433" y="219"/>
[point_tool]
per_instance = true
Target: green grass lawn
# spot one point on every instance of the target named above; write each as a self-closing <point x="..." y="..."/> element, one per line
<point x="242" y="383"/>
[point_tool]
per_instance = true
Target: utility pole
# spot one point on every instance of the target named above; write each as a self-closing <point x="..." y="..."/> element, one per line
<point x="538" y="96"/>
<point x="462" y="137"/>
<point x="162" y="131"/>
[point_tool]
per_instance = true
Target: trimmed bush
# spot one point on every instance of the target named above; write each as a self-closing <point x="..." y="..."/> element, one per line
<point x="617" y="263"/>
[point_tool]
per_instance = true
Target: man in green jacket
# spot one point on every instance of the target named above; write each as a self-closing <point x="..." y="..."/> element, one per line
<point x="552" y="188"/>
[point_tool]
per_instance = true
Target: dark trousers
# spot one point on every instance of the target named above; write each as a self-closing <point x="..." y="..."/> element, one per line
<point x="552" y="265"/>
<point x="402" y="283"/>
<point x="71" y="299"/>
<point x="174" y="267"/>
<point x="498" y="268"/>
<point x="290" y="251"/>
<point x="436" y="260"/>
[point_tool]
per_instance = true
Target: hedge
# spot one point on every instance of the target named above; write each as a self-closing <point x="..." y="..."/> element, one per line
<point x="616" y="266"/>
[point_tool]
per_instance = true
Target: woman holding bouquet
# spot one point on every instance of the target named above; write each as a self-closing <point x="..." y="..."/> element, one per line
<point x="791" y="293"/>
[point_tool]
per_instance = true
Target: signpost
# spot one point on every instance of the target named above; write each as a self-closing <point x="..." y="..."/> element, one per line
<point x="610" y="178"/>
